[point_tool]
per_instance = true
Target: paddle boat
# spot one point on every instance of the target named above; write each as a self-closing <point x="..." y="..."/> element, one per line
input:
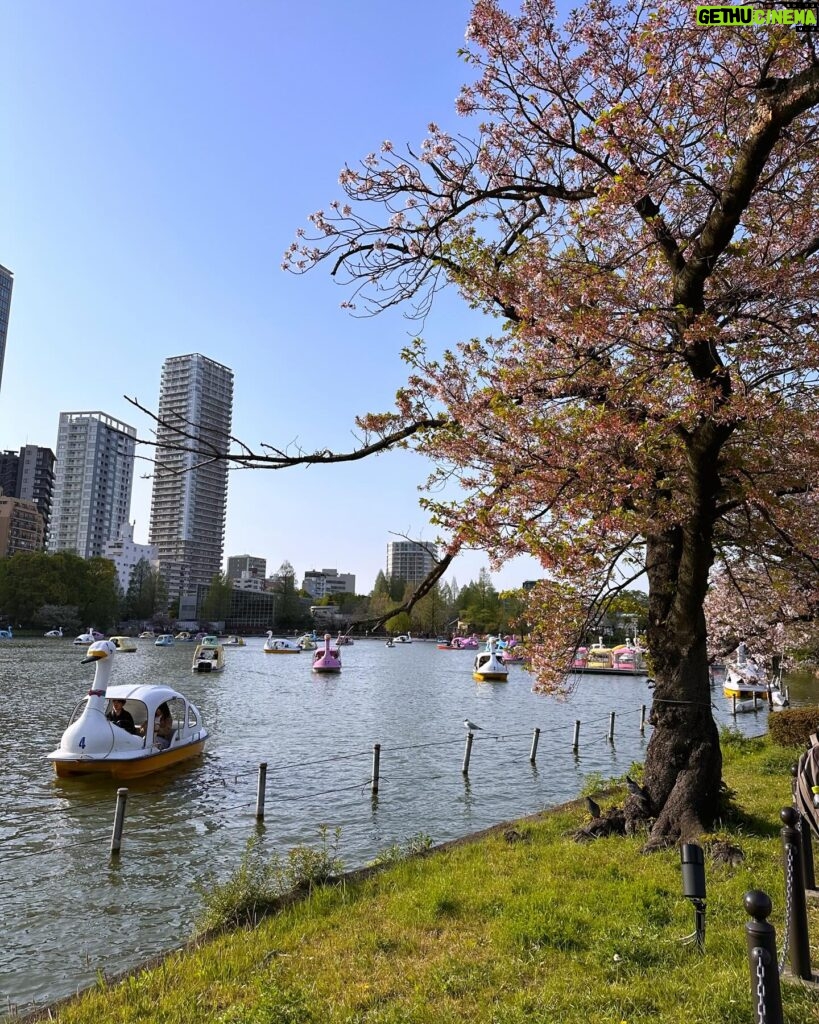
<point x="84" y="639"/>
<point x="6" y="634"/>
<point x="579" y="659"/>
<point x="443" y="644"/>
<point x="598" y="658"/>
<point x="209" y="655"/>
<point x="183" y="637"/>
<point x="55" y="633"/>
<point x="342" y="640"/>
<point x="465" y="643"/>
<point x="234" y="641"/>
<point x="628" y="659"/>
<point x="404" y="638"/>
<point x="147" y="634"/>
<point x="389" y="642"/>
<point x="747" y="685"/>
<point x="327" y="658"/>
<point x="306" y="642"/>
<point x="281" y="645"/>
<point x="124" y="644"/>
<point x="488" y="666"/>
<point x="93" y="745"/>
<point x="164" y="640"/>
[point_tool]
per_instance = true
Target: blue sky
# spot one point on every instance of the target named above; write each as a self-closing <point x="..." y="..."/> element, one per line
<point x="157" y="160"/>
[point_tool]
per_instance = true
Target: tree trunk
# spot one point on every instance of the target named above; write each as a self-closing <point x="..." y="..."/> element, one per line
<point x="683" y="768"/>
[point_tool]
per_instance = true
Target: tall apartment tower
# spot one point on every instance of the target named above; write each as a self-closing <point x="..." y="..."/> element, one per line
<point x="29" y="474"/>
<point x="6" y="284"/>
<point x="92" y="485"/>
<point x="189" y="499"/>
<point x="410" y="560"/>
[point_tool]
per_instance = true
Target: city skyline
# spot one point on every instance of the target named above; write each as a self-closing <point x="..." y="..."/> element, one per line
<point x="189" y="158"/>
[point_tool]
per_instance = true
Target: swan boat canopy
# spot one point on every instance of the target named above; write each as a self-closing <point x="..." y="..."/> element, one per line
<point x="488" y="666"/>
<point x="280" y="645"/>
<point x="209" y="656"/>
<point x="164" y="640"/>
<point x="93" y="745"/>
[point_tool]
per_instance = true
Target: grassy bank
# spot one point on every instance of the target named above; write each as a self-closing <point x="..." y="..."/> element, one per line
<point x="523" y="925"/>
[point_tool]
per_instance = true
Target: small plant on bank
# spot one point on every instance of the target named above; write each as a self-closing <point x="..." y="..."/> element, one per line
<point x="410" y="847"/>
<point x="259" y="883"/>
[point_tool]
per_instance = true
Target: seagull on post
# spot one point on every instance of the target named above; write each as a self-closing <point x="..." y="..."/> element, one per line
<point x="470" y="725"/>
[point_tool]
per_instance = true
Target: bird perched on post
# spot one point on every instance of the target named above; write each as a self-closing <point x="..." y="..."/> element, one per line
<point x="593" y="808"/>
<point x="470" y="725"/>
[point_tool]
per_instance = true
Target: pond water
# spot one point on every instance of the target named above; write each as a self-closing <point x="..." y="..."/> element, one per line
<point x="71" y="911"/>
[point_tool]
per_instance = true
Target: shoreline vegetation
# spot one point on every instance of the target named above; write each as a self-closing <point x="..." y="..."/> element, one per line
<point x="518" y="923"/>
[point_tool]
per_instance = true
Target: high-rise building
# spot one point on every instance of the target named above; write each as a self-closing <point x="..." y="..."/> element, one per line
<point x="248" y="565"/>
<point x="328" y="581"/>
<point x="411" y="560"/>
<point x="6" y="284"/>
<point x="125" y="553"/>
<point x="190" y="480"/>
<point x="92" y="485"/>
<point x="29" y="474"/>
<point x="21" y="526"/>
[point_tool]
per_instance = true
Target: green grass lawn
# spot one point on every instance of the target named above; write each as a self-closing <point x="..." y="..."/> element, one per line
<point x="518" y="926"/>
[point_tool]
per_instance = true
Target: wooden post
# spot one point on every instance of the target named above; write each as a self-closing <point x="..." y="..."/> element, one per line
<point x="642" y="719"/>
<point x="611" y="727"/>
<point x="533" y="751"/>
<point x="576" y="737"/>
<point x="260" y="788"/>
<point x="119" y="821"/>
<point x="467" y="752"/>
<point x="734" y="704"/>
<point x="376" y="765"/>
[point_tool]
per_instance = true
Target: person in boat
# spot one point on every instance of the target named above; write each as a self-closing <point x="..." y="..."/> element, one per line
<point x="163" y="726"/>
<point x="118" y="715"/>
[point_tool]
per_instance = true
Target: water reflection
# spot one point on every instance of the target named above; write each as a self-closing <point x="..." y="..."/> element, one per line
<point x="78" y="912"/>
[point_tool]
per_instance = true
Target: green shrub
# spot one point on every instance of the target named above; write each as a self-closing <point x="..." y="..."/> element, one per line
<point x="792" y="727"/>
<point x="411" y="847"/>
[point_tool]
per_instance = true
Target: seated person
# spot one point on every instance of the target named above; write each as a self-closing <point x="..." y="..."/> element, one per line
<point x="163" y="726"/>
<point x="119" y="716"/>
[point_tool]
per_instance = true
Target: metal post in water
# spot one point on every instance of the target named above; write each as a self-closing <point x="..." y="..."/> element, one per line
<point x="533" y="751"/>
<point x="642" y="719"/>
<point x="734" y="704"/>
<point x="376" y="765"/>
<point x="611" y="727"/>
<point x="766" y="997"/>
<point x="467" y="752"/>
<point x="119" y="821"/>
<point x="260" y="788"/>
<point x="798" y="942"/>
<point x="576" y="737"/>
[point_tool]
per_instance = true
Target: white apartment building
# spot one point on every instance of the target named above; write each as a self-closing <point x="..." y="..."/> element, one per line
<point x="92" y="483"/>
<point x="321" y="583"/>
<point x="190" y="481"/>
<point x="124" y="552"/>
<point x="411" y="560"/>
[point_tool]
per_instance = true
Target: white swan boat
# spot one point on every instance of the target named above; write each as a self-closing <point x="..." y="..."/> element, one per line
<point x="124" y="644"/>
<point x="93" y="745"/>
<point x="55" y="634"/>
<point x="488" y="666"/>
<point x="280" y="645"/>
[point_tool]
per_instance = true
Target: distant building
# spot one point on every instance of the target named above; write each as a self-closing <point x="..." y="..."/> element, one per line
<point x="411" y="560"/>
<point x="29" y="474"/>
<point x="190" y="479"/>
<point x="247" y="567"/>
<point x="250" y="581"/>
<point x="6" y="285"/>
<point x="125" y="554"/>
<point x="92" y="484"/>
<point x="21" y="526"/>
<point x="325" y="582"/>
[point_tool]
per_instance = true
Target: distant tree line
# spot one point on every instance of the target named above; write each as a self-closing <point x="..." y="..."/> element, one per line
<point x="42" y="591"/>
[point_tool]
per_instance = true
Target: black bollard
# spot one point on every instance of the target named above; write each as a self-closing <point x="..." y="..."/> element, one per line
<point x="808" y="869"/>
<point x="693" y="878"/>
<point x="798" y="944"/>
<point x="766" y="997"/>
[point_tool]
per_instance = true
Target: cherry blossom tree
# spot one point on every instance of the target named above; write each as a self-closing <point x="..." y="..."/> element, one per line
<point x="633" y="205"/>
